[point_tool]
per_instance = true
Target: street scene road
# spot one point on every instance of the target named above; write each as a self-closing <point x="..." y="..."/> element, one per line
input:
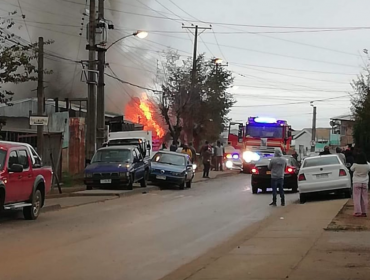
<point x="138" y="237"/>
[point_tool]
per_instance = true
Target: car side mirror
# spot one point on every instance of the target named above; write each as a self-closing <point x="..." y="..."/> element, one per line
<point x="16" y="168"/>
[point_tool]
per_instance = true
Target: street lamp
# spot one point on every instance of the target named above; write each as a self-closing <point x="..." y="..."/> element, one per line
<point x="218" y="60"/>
<point x="140" y="34"/>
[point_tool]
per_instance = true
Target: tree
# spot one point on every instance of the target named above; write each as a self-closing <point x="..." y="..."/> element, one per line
<point x="203" y="110"/>
<point x="361" y="111"/>
<point x="17" y="61"/>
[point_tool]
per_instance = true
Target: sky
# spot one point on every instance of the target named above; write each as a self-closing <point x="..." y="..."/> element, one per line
<point x="283" y="54"/>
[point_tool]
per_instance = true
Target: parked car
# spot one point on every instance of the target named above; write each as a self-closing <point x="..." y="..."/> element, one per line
<point x="172" y="168"/>
<point x="261" y="175"/>
<point x="24" y="181"/>
<point x="120" y="166"/>
<point x="324" y="173"/>
<point x="233" y="161"/>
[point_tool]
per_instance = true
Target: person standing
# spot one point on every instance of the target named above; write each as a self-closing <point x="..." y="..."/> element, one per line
<point x="341" y="156"/>
<point x="361" y="169"/>
<point x="219" y="156"/>
<point x="186" y="150"/>
<point x="277" y="165"/>
<point x="173" y="147"/>
<point x="326" y="151"/>
<point x="193" y="152"/>
<point x="207" y="155"/>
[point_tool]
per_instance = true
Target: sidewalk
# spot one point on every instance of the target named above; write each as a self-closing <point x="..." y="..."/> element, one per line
<point x="290" y="244"/>
<point x="78" y="195"/>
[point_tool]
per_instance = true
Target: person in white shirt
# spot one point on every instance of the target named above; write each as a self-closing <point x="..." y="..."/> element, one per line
<point x="361" y="169"/>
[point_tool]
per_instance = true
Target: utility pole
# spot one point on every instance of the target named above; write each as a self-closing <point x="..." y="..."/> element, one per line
<point x="40" y="96"/>
<point x="91" y="104"/>
<point x="194" y="76"/>
<point x="313" y="139"/>
<point x="100" y="113"/>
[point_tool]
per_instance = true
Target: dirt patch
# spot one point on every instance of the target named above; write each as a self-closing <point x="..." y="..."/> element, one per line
<point x="346" y="221"/>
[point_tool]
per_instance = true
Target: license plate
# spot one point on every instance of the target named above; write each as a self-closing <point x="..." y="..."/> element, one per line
<point x="268" y="172"/>
<point x="161" y="177"/>
<point x="106" y="181"/>
<point x="320" y="176"/>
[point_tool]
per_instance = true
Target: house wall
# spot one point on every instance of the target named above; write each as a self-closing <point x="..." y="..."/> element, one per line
<point x="346" y="133"/>
<point x="304" y="141"/>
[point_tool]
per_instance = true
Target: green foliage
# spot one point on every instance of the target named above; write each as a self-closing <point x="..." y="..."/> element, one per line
<point x="203" y="109"/>
<point x="17" y="61"/>
<point x="361" y="112"/>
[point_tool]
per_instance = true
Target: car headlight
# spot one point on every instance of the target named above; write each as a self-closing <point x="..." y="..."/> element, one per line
<point x="235" y="156"/>
<point x="88" y="175"/>
<point x="176" y="173"/>
<point x="194" y="166"/>
<point x="229" y="164"/>
<point x="249" y="156"/>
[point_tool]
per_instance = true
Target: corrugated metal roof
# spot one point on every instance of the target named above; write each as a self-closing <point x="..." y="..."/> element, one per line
<point x="348" y="117"/>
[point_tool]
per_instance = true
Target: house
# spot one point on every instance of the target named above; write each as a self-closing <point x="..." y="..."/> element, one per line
<point x="64" y="136"/>
<point x="324" y="137"/>
<point x="345" y="129"/>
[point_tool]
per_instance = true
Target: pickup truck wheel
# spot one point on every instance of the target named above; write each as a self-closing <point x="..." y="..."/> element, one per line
<point x="32" y="212"/>
<point x="143" y="181"/>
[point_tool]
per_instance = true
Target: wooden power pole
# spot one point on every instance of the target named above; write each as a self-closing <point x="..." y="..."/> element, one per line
<point x="40" y="96"/>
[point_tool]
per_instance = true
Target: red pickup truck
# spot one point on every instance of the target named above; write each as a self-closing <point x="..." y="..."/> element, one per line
<point x="24" y="182"/>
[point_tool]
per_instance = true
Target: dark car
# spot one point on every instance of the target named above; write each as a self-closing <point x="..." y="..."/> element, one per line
<point x="117" y="166"/>
<point x="172" y="168"/>
<point x="261" y="175"/>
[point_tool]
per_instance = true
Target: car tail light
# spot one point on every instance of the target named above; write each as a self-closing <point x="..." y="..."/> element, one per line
<point x="254" y="170"/>
<point x="290" y="170"/>
<point x="342" y="172"/>
<point x="301" y="177"/>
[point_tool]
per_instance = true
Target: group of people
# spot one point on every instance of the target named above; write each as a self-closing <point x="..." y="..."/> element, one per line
<point x="357" y="165"/>
<point x="212" y="156"/>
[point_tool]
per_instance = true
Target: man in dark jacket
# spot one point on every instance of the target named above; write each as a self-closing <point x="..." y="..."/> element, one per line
<point x="174" y="146"/>
<point x="207" y="155"/>
<point x="277" y="165"/>
<point x="326" y="151"/>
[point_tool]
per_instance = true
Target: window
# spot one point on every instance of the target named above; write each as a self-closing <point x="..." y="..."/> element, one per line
<point x="2" y="159"/>
<point x="320" y="161"/>
<point x="108" y="156"/>
<point x="23" y="159"/>
<point x="264" y="131"/>
<point x="13" y="159"/>
<point x="170" y="159"/>
<point x="36" y="160"/>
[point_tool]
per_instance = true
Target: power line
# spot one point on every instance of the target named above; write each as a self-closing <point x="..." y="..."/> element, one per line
<point x="292" y="103"/>
<point x="131" y="84"/>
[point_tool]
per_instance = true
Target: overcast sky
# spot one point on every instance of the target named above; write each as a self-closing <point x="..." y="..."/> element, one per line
<point x="283" y="54"/>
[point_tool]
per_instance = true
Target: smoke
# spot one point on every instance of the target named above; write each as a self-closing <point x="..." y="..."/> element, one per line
<point x="61" y="21"/>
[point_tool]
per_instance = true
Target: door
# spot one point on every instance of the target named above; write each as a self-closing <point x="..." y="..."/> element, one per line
<point x="13" y="187"/>
<point x="190" y="170"/>
<point x="27" y="175"/>
<point x="140" y="165"/>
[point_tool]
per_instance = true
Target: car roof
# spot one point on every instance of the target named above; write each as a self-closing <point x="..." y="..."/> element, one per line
<point x="6" y="145"/>
<point x="118" y="147"/>
<point x="172" y="153"/>
<point x="321" y="156"/>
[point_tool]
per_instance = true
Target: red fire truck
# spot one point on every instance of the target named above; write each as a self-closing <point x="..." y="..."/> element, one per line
<point x="258" y="137"/>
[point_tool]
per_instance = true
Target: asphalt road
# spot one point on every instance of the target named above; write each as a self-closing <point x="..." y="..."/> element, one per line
<point x="141" y="237"/>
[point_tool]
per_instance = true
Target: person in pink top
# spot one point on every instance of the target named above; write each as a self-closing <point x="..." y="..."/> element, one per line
<point x="361" y="169"/>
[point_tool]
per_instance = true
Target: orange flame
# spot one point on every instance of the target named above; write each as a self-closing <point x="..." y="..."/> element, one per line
<point x="143" y="112"/>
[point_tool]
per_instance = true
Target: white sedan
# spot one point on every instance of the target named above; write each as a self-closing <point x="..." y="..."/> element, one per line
<point x="324" y="173"/>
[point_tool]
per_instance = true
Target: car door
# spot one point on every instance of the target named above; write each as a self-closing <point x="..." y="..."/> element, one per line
<point x="140" y="165"/>
<point x="27" y="177"/>
<point x="13" y="186"/>
<point x="190" y="170"/>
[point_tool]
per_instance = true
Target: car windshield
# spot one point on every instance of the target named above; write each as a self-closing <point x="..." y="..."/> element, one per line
<point x="112" y="156"/>
<point x="169" y="159"/>
<point x="123" y="142"/>
<point x="320" y="161"/>
<point x="2" y="159"/>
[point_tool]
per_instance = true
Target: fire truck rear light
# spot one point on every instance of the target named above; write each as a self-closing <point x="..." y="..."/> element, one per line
<point x="301" y="177"/>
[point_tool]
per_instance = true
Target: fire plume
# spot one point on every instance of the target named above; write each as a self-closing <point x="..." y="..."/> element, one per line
<point x="143" y="111"/>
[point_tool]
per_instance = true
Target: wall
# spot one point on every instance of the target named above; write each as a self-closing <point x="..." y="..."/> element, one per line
<point x="346" y="133"/>
<point x="305" y="141"/>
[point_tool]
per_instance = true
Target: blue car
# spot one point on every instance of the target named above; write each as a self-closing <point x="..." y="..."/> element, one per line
<point x="172" y="168"/>
<point x="118" y="166"/>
